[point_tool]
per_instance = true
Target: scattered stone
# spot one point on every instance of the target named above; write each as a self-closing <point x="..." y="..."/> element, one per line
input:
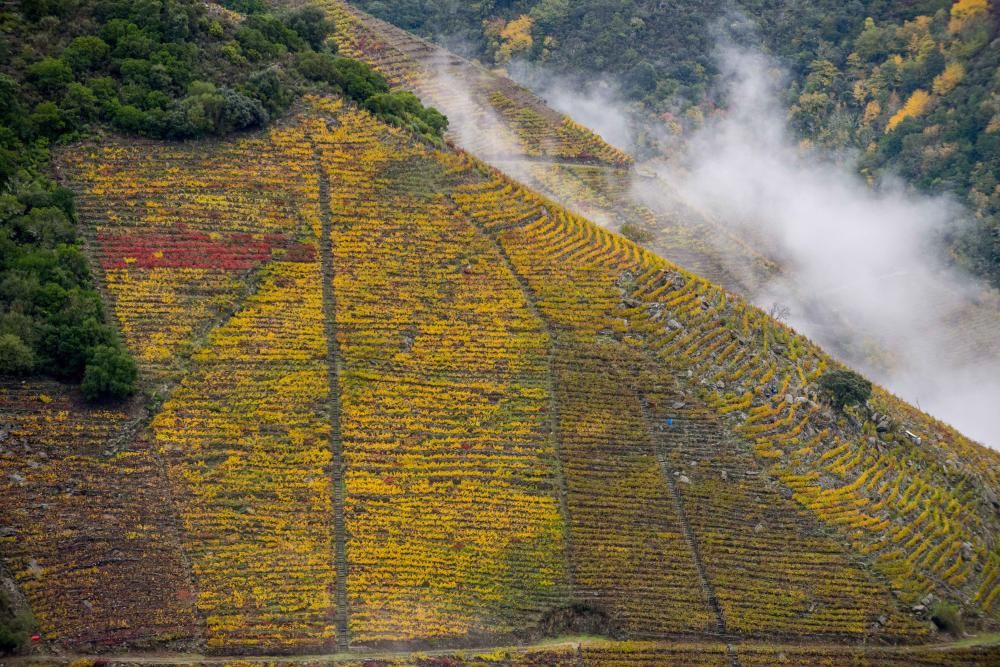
<point x="677" y="405"/>
<point x="882" y="620"/>
<point x="759" y="528"/>
<point x="967" y="551"/>
<point x="884" y="425"/>
<point x="684" y="479"/>
<point x="674" y="324"/>
<point x="625" y="278"/>
<point x="725" y="476"/>
<point x="631" y="302"/>
<point x="7" y="531"/>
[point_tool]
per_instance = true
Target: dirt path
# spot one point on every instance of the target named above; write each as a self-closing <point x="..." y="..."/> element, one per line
<point x="991" y="639"/>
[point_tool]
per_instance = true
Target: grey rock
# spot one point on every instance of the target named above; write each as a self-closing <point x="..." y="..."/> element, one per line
<point x="967" y="551"/>
<point x="684" y="479"/>
<point x="884" y="425"/>
<point x="674" y="324"/>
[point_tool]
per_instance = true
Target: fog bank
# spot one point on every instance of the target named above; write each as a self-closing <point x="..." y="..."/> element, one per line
<point x="864" y="273"/>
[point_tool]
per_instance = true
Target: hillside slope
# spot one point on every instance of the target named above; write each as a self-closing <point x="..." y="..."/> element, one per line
<point x="953" y="322"/>
<point x="401" y="401"/>
<point x="508" y="126"/>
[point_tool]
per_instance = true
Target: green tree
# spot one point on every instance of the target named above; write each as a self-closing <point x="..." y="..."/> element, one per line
<point x="844" y="388"/>
<point x="311" y="25"/>
<point x="111" y="374"/>
<point x="50" y="75"/>
<point x="16" y="358"/>
<point x="86" y="52"/>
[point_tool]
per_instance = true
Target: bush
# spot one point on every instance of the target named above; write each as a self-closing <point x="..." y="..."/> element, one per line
<point x="111" y="373"/>
<point x="948" y="618"/>
<point x="16" y="358"/>
<point x="11" y="639"/>
<point x="635" y="234"/>
<point x="14" y="628"/>
<point x="311" y="25"/>
<point x="845" y="388"/>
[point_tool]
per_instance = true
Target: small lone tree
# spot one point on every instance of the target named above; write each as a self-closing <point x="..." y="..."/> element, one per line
<point x="845" y="388"/>
<point x="948" y="618"/>
<point x="111" y="373"/>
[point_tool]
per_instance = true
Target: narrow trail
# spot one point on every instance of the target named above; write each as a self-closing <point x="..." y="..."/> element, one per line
<point x="573" y="644"/>
<point x="554" y="408"/>
<point x="333" y="378"/>
<point x="689" y="537"/>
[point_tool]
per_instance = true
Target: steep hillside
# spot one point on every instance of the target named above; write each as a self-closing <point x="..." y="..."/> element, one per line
<point x="954" y="323"/>
<point x="399" y="401"/>
<point x="506" y="125"/>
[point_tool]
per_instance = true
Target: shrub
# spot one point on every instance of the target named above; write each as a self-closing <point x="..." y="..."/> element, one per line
<point x="16" y="358"/>
<point x="635" y="234"/>
<point x="844" y="388"/>
<point x="947" y="617"/>
<point x="111" y="373"/>
<point x="311" y="25"/>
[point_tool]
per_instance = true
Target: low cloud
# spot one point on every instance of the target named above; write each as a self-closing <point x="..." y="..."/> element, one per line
<point x="863" y="268"/>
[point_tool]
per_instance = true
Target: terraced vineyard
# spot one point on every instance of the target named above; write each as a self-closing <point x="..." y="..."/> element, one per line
<point x="508" y="126"/>
<point x="400" y="401"/>
<point x="511" y="128"/>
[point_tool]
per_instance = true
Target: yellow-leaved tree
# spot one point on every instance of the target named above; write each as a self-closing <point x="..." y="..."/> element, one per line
<point x="965" y="12"/>
<point x="915" y="106"/>
<point x="516" y="37"/>
<point x="946" y="81"/>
